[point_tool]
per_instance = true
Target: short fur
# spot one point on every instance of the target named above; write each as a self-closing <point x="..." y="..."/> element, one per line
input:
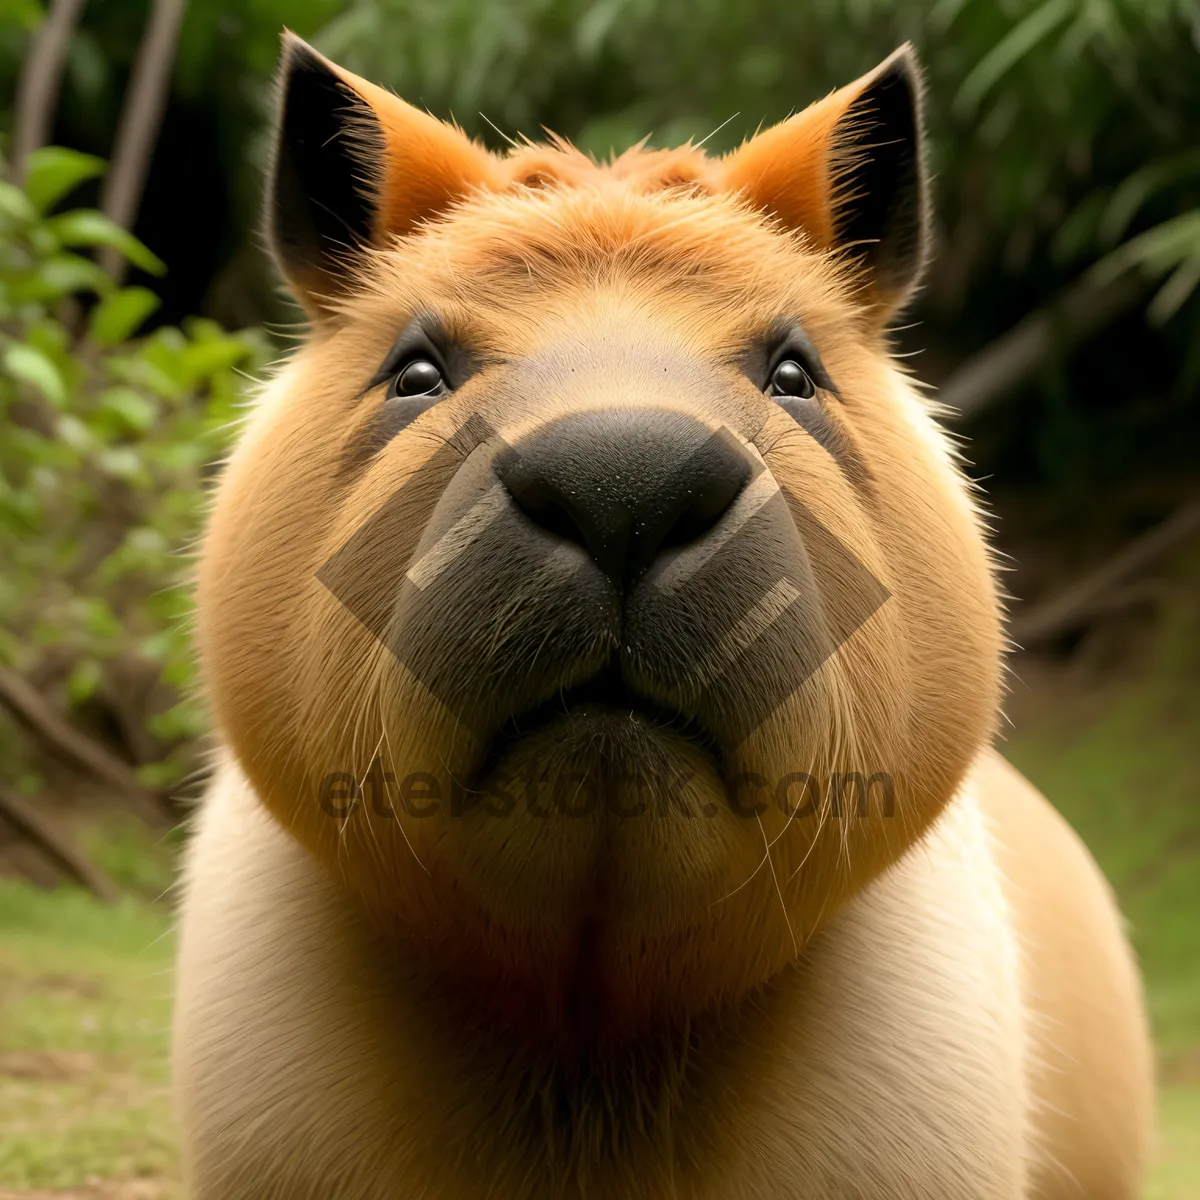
<point x="938" y="1002"/>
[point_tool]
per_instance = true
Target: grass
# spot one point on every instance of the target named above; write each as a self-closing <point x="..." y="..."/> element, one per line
<point x="1176" y="1174"/>
<point x="1125" y="771"/>
<point x="84" y="1017"/>
<point x="85" y="990"/>
<point x="1128" y="780"/>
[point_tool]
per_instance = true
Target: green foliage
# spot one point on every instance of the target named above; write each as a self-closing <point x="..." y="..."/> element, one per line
<point x="106" y="441"/>
<point x="53" y="172"/>
<point x="1062" y="144"/>
<point x="1057" y="123"/>
<point x="131" y="856"/>
<point x="1062" y="150"/>
<point x="87" y="227"/>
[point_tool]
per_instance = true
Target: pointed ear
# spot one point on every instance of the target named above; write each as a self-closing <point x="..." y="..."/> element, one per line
<point x="354" y="165"/>
<point x="849" y="171"/>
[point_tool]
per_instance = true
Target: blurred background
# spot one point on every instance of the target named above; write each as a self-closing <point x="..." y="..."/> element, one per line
<point x="1060" y="323"/>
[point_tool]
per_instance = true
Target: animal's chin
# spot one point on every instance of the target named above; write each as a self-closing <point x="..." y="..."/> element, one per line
<point x="601" y="826"/>
<point x="594" y="844"/>
<point x="601" y="726"/>
<point x="593" y="804"/>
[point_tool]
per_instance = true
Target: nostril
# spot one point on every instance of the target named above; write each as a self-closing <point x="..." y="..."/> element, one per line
<point x="709" y="501"/>
<point x="547" y="507"/>
<point x="625" y="485"/>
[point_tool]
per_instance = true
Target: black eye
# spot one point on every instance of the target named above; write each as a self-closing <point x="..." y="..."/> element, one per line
<point x="790" y="379"/>
<point x="418" y="378"/>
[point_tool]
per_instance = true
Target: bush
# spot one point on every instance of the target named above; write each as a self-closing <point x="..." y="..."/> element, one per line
<point x="105" y="445"/>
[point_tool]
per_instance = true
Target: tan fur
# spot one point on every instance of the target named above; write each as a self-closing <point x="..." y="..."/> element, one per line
<point x="810" y="1006"/>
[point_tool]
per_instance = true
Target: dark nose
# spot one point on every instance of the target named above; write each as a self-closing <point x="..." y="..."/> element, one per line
<point x="626" y="484"/>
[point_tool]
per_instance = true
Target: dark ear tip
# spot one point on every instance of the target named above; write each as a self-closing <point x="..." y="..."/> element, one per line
<point x="320" y="200"/>
<point x="890" y="217"/>
<point x="901" y="71"/>
<point x="893" y="95"/>
<point x="903" y="63"/>
<point x="297" y="57"/>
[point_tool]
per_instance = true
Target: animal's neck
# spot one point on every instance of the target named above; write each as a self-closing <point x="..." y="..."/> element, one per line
<point x="609" y="1120"/>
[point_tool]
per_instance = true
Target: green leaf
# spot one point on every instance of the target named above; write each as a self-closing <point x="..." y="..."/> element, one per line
<point x="204" y="360"/>
<point x="138" y="371"/>
<point x="15" y="204"/>
<point x="24" y="14"/>
<point x="96" y="615"/>
<point x="1173" y="294"/>
<point x="156" y="647"/>
<point x="83" y="680"/>
<point x="147" y="542"/>
<point x="120" y="314"/>
<point x="53" y="171"/>
<point x="31" y="366"/>
<point x="62" y="275"/>
<point x="1139" y="187"/>
<point x="158" y="775"/>
<point x="71" y="431"/>
<point x="593" y="28"/>
<point x="1009" y="51"/>
<point x="89" y="227"/>
<point x="121" y="462"/>
<point x="1156" y="251"/>
<point x="135" y="411"/>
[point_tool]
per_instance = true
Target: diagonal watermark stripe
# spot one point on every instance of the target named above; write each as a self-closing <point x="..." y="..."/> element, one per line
<point x="769" y="620"/>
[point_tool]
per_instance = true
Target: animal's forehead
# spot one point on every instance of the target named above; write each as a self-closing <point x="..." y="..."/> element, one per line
<point x="558" y="163"/>
<point x="603" y="248"/>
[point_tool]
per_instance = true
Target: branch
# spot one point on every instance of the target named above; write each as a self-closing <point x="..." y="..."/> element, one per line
<point x="141" y="116"/>
<point x="26" y="819"/>
<point x="1079" y="312"/>
<point x="29" y="705"/>
<point x="1064" y="612"/>
<point x="41" y="78"/>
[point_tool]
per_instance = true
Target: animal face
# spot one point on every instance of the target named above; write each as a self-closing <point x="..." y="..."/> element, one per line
<point x="592" y="543"/>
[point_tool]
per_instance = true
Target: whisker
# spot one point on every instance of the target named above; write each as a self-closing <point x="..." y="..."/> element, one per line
<point x="778" y="889"/>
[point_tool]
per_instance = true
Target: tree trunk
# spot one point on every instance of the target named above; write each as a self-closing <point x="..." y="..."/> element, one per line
<point x="1069" y="609"/>
<point x="27" y="703"/>
<point x="28" y="821"/>
<point x="41" y="78"/>
<point x="141" y="116"/>
<point x="999" y="368"/>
